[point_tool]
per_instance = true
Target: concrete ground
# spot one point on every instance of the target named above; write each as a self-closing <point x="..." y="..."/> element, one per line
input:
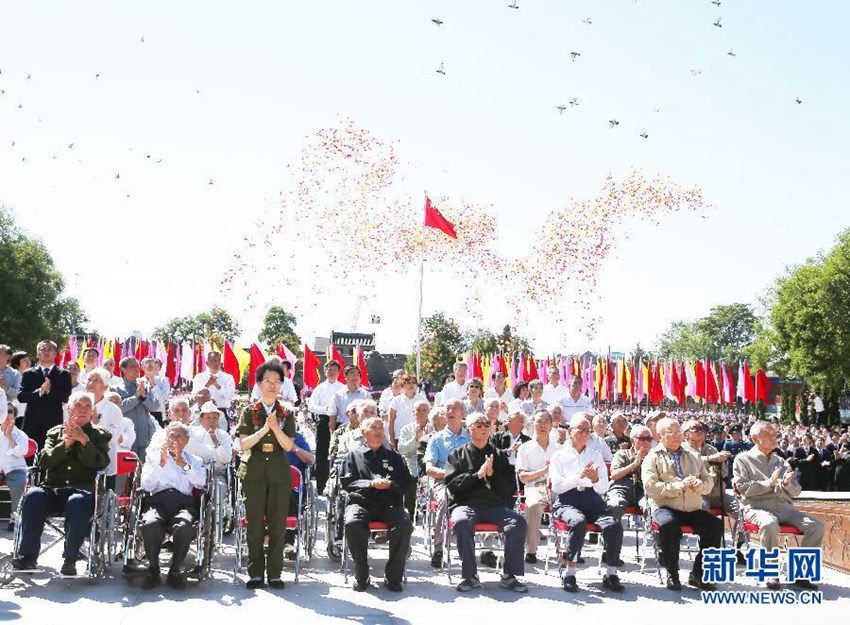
<point x="321" y="595"/>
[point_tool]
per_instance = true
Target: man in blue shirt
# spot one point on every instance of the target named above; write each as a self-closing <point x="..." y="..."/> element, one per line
<point x="10" y="380"/>
<point x="443" y="443"/>
<point x="300" y="458"/>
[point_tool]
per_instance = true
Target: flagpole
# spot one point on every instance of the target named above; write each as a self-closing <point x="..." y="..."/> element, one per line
<point x="419" y="320"/>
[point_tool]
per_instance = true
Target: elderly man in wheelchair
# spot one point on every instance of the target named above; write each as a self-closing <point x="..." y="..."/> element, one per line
<point x="170" y="477"/>
<point x="75" y="454"/>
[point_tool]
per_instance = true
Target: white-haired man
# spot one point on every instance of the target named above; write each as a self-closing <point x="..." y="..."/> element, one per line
<point x="221" y="384"/>
<point x="73" y="454"/>
<point x="456" y="389"/>
<point x="412" y="442"/>
<point x="107" y="415"/>
<point x="675" y="481"/>
<point x="626" y="489"/>
<point x="376" y="479"/>
<point x="580" y="479"/>
<point x="137" y="403"/>
<point x="444" y="441"/>
<point x="767" y="486"/>
<point x="178" y="411"/>
<point x="532" y="469"/>
<point x="169" y="476"/>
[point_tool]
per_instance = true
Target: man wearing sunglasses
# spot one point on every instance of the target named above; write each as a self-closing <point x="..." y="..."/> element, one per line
<point x="480" y="479"/>
<point x="626" y="490"/>
<point x="579" y="478"/>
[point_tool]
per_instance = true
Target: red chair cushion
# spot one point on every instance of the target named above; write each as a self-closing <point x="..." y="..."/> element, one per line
<point x="126" y="462"/>
<point x="123" y="501"/>
<point x="686" y="529"/>
<point x="632" y="510"/>
<point x="716" y="511"/>
<point x="486" y="527"/>
<point x="291" y="522"/>
<point x="378" y="525"/>
<point x="563" y="527"/>
<point x="783" y="529"/>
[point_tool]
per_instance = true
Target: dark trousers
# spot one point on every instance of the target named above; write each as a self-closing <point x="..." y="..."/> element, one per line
<point x="577" y="508"/>
<point x="707" y="526"/>
<point x="323" y="442"/>
<point x="293" y="512"/>
<point x="513" y="527"/>
<point x="410" y="497"/>
<point x="357" y="520"/>
<point x="269" y="500"/>
<point x="173" y="512"/>
<point x="39" y="503"/>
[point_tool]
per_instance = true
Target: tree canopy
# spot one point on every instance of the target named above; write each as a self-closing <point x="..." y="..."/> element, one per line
<point x="279" y="328"/>
<point x="32" y="306"/>
<point x="217" y="323"/>
<point x="724" y="334"/>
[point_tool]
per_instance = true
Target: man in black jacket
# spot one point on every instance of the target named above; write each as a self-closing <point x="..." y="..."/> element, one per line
<point x="479" y="480"/>
<point x="44" y="388"/>
<point x="72" y="456"/>
<point x="376" y="479"/>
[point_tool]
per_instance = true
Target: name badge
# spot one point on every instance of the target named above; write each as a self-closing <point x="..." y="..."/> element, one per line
<point x="267" y="448"/>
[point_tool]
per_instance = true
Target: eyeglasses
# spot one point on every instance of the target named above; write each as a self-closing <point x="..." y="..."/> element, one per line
<point x="479" y="424"/>
<point x="581" y="430"/>
<point x="644" y="438"/>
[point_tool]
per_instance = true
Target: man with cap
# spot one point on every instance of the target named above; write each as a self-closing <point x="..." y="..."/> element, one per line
<point x="579" y="478"/>
<point x="479" y="480"/>
<point x="626" y="490"/>
<point x="734" y="447"/>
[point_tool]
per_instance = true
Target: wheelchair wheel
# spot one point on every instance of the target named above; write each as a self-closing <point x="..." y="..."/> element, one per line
<point x="334" y="550"/>
<point x="7" y="572"/>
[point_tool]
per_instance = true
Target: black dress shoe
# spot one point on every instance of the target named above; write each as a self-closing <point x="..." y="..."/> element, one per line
<point x="673" y="582"/>
<point x="69" y="567"/>
<point x="531" y="558"/>
<point x="805" y="584"/>
<point x="570" y="584"/>
<point x="773" y="584"/>
<point x="437" y="559"/>
<point x="277" y="584"/>
<point x="24" y="564"/>
<point x="255" y="583"/>
<point x="695" y="580"/>
<point x="580" y="560"/>
<point x="488" y="558"/>
<point x="176" y="580"/>
<point x="740" y="559"/>
<point x="151" y="580"/>
<point x="363" y="586"/>
<point x="393" y="586"/>
<point x="612" y="582"/>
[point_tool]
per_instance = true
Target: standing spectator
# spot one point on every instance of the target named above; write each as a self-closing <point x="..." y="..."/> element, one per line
<point x="817" y="402"/>
<point x="137" y="403"/>
<point x="401" y="407"/>
<point x="806" y="463"/>
<point x="10" y="378"/>
<point x="390" y="392"/>
<point x="554" y="390"/>
<point x="456" y="389"/>
<point x="574" y="401"/>
<point x="90" y="355"/>
<point x="221" y="384"/>
<point x="842" y="469"/>
<point x="44" y="388"/>
<point x="160" y="388"/>
<point x="321" y="404"/>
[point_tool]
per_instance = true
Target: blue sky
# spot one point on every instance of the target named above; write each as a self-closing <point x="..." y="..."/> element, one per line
<point x="270" y="73"/>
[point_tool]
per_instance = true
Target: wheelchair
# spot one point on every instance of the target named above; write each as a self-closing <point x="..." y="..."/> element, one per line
<point x="204" y="544"/>
<point x="335" y="517"/>
<point x="222" y="489"/>
<point x="304" y="523"/>
<point x="95" y="552"/>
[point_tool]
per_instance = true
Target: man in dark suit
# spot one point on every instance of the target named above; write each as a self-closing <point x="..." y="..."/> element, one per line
<point x="511" y="438"/>
<point x="44" y="388"/>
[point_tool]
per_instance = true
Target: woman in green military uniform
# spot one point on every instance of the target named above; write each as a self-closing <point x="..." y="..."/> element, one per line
<point x="266" y="432"/>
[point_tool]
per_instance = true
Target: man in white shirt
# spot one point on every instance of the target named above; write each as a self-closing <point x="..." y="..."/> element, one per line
<point x="390" y="392"/>
<point x="13" y="447"/>
<point x="107" y="414"/>
<point x="221" y="384"/>
<point x="456" y="389"/>
<point x="579" y="479"/>
<point x="169" y="475"/>
<point x="321" y="404"/>
<point x="819" y="408"/>
<point x="178" y="412"/>
<point x="159" y="385"/>
<point x="90" y="355"/>
<point x="532" y="469"/>
<point x="500" y="391"/>
<point x="553" y="390"/>
<point x="574" y="401"/>
<point x="287" y="388"/>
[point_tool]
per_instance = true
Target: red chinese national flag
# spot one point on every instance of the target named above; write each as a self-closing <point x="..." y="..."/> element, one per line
<point x="435" y="219"/>
<point x="364" y="372"/>
<point x="749" y="388"/>
<point x="311" y="366"/>
<point x="170" y="368"/>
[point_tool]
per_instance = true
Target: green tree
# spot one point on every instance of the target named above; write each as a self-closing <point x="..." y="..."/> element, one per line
<point x="279" y="328"/>
<point x="809" y="317"/>
<point x="442" y="340"/>
<point x="485" y="342"/>
<point x="32" y="307"/>
<point x="215" y="324"/>
<point x="724" y="334"/>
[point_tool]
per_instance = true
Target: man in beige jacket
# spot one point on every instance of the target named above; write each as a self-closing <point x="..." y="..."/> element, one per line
<point x="675" y="482"/>
<point x="767" y="486"/>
